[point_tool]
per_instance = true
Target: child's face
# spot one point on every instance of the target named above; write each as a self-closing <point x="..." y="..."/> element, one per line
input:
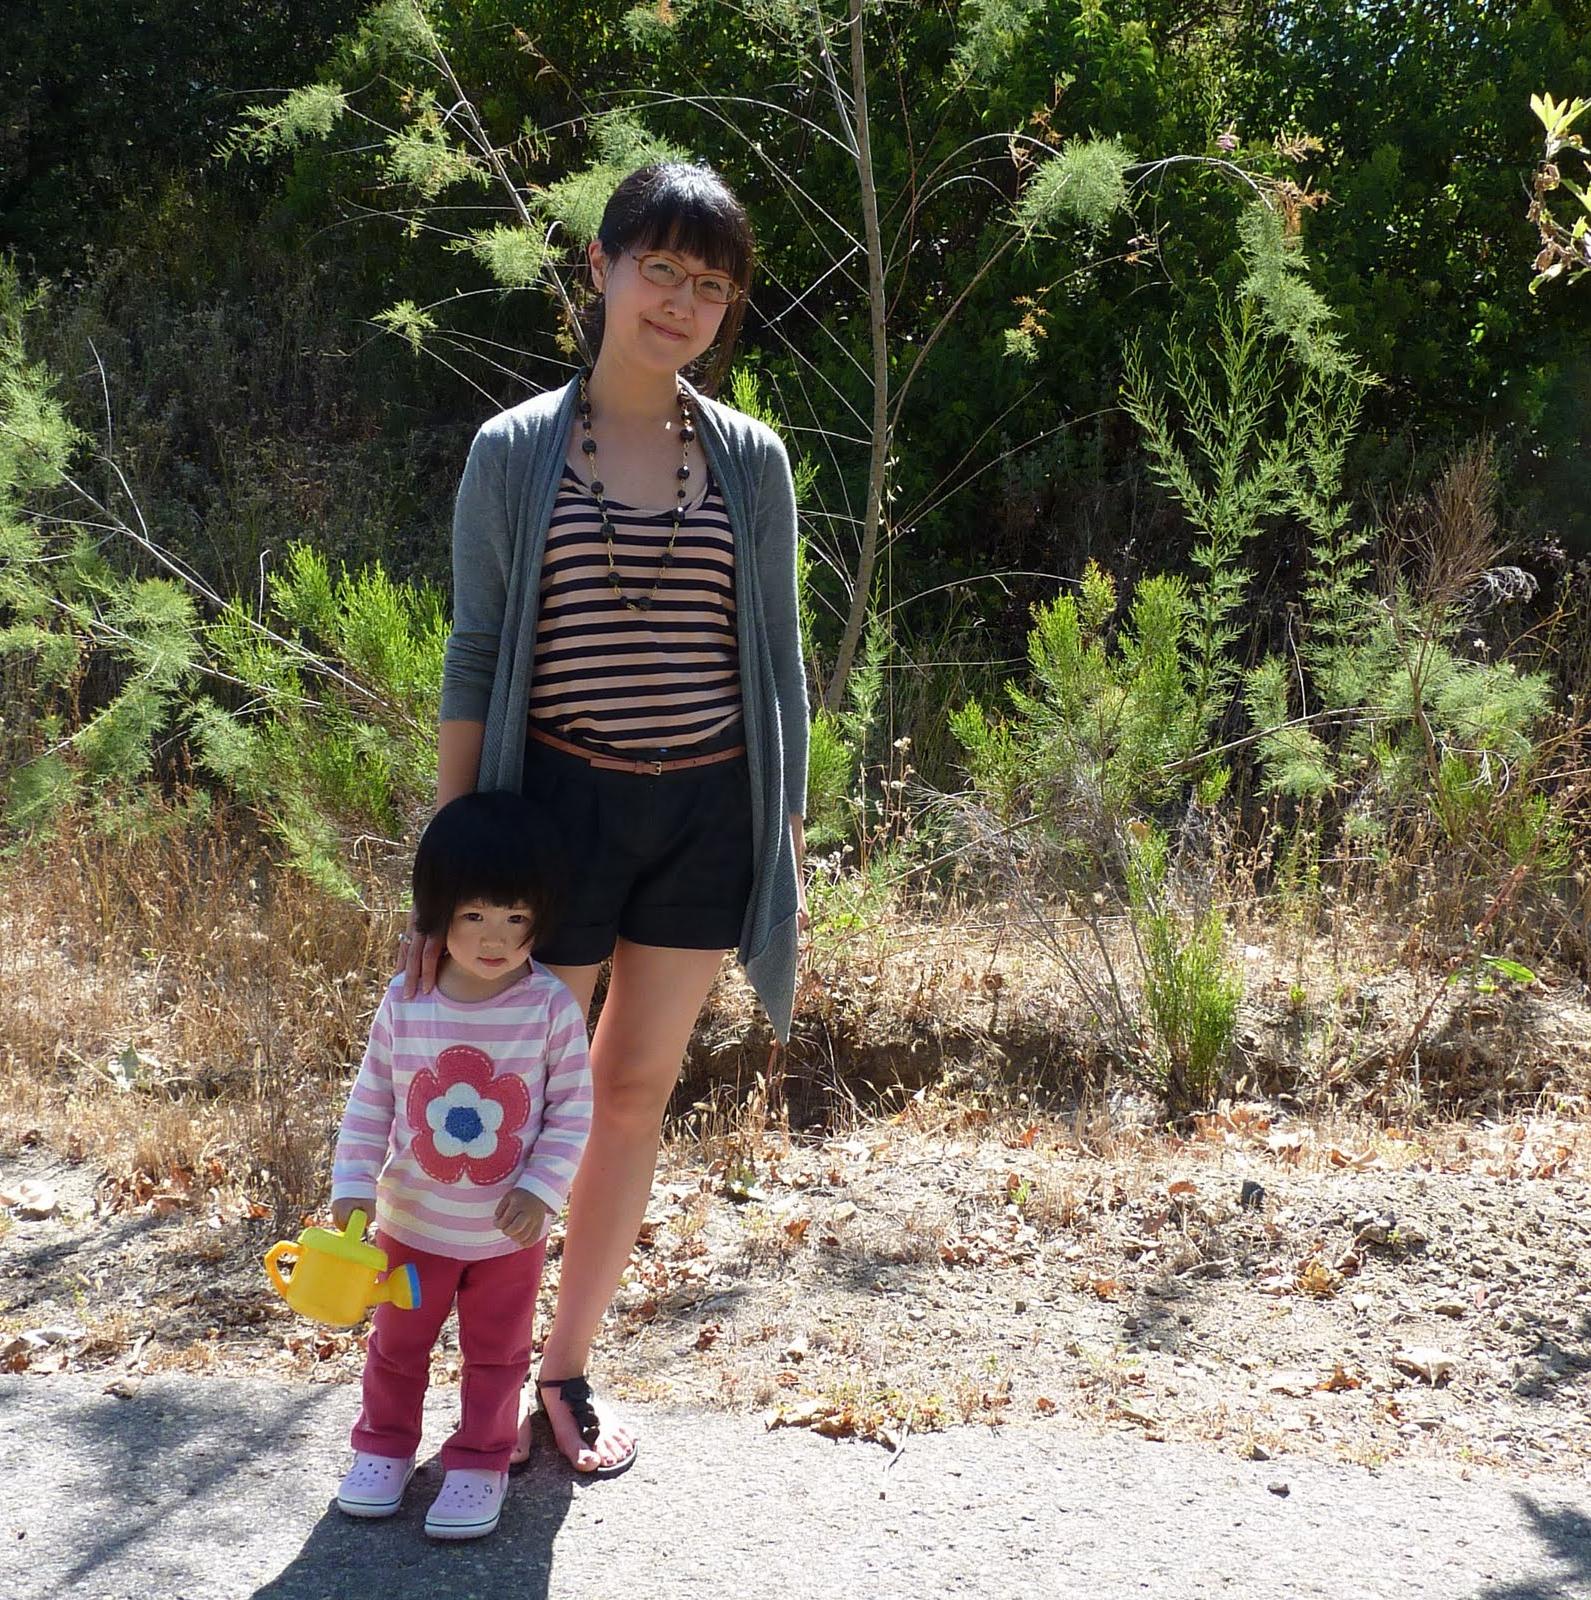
<point x="489" y="941"/>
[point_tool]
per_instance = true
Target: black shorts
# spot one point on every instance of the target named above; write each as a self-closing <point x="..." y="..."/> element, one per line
<point x="660" y="859"/>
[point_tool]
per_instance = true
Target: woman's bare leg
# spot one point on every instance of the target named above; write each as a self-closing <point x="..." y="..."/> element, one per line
<point x="654" y="997"/>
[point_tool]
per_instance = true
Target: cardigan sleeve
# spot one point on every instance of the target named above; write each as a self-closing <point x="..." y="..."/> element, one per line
<point x="776" y="567"/>
<point x="482" y="558"/>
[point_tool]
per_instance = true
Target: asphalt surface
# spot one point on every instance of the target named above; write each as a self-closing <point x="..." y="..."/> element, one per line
<point x="210" y="1489"/>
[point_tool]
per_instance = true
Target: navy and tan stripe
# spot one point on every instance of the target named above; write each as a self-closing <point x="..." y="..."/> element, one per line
<point x="611" y="678"/>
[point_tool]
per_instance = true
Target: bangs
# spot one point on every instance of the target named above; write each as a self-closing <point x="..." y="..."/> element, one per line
<point x="683" y="209"/>
<point x="495" y="847"/>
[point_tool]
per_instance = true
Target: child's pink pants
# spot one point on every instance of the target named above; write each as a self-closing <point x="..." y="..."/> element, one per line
<point x="496" y="1304"/>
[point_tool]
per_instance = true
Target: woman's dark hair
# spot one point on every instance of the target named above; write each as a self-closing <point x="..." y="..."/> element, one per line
<point x="679" y="206"/>
<point x="494" y="846"/>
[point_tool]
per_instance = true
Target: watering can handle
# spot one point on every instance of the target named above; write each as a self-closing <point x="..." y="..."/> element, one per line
<point x="285" y="1247"/>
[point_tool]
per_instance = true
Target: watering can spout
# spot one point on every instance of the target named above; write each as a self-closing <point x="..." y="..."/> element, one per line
<point x="401" y="1286"/>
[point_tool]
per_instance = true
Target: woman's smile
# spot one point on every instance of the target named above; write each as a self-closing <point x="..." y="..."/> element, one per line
<point x="668" y="333"/>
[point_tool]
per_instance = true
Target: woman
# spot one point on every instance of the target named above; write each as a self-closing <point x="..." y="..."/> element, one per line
<point x="625" y="648"/>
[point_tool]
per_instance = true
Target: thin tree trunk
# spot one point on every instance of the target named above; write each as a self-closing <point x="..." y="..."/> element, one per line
<point x="861" y="594"/>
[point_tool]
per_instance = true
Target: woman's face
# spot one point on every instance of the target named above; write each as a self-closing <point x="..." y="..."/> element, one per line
<point x="655" y="327"/>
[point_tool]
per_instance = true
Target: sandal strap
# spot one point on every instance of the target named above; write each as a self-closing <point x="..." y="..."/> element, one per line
<point x="576" y="1394"/>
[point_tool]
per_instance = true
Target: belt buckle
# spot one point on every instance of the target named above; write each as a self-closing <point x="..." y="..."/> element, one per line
<point x="657" y="769"/>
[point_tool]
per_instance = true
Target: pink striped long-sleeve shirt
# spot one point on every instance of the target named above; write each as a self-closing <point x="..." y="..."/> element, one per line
<point x="456" y="1103"/>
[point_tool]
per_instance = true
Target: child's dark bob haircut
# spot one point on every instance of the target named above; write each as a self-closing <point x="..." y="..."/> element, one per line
<point x="496" y="847"/>
<point x="680" y="206"/>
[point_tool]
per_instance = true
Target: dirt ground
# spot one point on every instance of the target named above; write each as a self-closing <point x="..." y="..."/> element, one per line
<point x="1265" y="1285"/>
<point x="1378" y="1248"/>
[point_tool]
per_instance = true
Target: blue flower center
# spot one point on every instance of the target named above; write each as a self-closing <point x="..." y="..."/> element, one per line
<point x="464" y="1124"/>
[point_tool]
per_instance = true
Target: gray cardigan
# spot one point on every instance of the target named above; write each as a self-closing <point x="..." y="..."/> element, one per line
<point x="504" y="504"/>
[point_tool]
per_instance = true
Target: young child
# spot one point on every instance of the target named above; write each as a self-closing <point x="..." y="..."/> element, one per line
<point x="461" y="1138"/>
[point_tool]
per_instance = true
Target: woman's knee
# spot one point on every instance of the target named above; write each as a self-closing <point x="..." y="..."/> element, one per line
<point x="633" y="1091"/>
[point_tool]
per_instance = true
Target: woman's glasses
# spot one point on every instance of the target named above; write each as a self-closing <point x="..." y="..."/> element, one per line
<point x="716" y="288"/>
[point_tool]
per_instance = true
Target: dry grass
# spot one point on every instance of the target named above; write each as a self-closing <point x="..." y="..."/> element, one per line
<point x="176" y="1010"/>
<point x="168" y="1005"/>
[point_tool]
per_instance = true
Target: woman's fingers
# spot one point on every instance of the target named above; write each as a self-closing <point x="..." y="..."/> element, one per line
<point x="420" y="955"/>
<point x="430" y="957"/>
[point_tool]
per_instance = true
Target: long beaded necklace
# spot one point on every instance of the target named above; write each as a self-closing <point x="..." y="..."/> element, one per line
<point x="682" y="473"/>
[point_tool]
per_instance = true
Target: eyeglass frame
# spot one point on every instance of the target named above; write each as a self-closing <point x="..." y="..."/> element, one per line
<point x="736" y="292"/>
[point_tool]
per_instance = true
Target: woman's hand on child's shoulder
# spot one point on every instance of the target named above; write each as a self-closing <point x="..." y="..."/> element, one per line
<point x="342" y="1210"/>
<point x="419" y="955"/>
<point x="521" y="1216"/>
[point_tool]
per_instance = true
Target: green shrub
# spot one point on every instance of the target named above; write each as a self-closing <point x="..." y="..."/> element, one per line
<point x="336" y="745"/>
<point x="1191" y="992"/>
<point x="1101" y="728"/>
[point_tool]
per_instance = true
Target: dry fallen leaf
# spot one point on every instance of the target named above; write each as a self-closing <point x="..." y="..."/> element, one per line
<point x="1044" y="1405"/>
<point x="1144" y="1419"/>
<point x="1105" y="1288"/>
<point x="797" y="1227"/>
<point x="1423" y="1361"/>
<point x="1318" y="1278"/>
<point x="708" y="1336"/>
<point x="1340" y="1379"/>
<point x="841" y="1424"/>
<point x="1359" y="1162"/>
<point x="32" y="1199"/>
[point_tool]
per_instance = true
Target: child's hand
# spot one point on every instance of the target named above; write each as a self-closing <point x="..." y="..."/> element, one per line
<point x="342" y="1210"/>
<point x="521" y="1216"/>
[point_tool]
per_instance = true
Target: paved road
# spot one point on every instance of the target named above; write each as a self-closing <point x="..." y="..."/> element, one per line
<point x="212" y="1489"/>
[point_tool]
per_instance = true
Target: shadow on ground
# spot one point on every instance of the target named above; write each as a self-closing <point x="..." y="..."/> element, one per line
<point x="166" y="1457"/>
<point x="1564" y="1536"/>
<point x="341" y="1553"/>
<point x="184" y="1487"/>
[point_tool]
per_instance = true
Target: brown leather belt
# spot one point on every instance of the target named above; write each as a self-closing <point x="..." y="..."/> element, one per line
<point x="620" y="764"/>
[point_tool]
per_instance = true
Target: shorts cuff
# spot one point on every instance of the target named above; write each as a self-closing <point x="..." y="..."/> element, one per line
<point x="577" y="947"/>
<point x="683" y="927"/>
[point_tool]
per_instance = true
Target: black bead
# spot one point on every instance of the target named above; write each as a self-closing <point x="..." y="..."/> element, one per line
<point x="589" y="446"/>
<point x="682" y="473"/>
<point x="644" y="603"/>
<point x="584" y="408"/>
<point x="597" y="486"/>
<point x="687" y="434"/>
<point x="608" y="531"/>
<point x="667" y="558"/>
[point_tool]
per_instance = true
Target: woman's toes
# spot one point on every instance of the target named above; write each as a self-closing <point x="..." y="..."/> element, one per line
<point x="576" y="1451"/>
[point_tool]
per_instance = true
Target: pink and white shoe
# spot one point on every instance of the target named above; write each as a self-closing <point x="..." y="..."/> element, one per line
<point x="469" y="1504"/>
<point x="373" y="1486"/>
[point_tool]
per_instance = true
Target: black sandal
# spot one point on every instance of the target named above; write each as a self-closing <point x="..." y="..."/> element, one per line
<point x="576" y="1394"/>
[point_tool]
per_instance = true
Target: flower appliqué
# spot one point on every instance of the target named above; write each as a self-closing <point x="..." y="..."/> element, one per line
<point x="466" y="1118"/>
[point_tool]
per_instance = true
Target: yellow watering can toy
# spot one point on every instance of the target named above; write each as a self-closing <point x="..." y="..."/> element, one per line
<point x="337" y="1277"/>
